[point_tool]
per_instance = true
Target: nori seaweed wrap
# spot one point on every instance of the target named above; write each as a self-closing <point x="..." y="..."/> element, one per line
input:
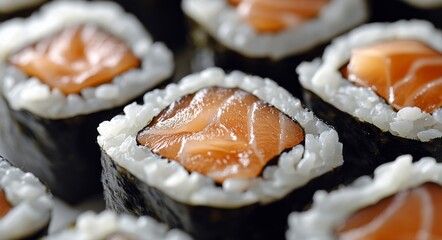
<point x="224" y="34"/>
<point x="401" y="201"/>
<point x="164" y="19"/>
<point x="111" y="226"/>
<point x="218" y="202"/>
<point x="63" y="71"/>
<point x="25" y="204"/>
<point x="381" y="119"/>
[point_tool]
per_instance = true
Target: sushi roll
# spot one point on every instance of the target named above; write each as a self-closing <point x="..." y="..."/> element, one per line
<point x="64" y="70"/>
<point x="265" y="37"/>
<point x="379" y="86"/>
<point x="108" y="225"/>
<point x="18" y="8"/>
<point x="402" y="201"/>
<point x="222" y="156"/>
<point x="25" y="204"/>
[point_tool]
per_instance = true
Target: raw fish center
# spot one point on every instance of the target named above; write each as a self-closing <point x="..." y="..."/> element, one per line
<point x="76" y="58"/>
<point x="223" y="133"/>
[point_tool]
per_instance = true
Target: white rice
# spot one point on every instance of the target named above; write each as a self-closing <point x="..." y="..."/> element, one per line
<point x="32" y="205"/>
<point x="32" y="95"/>
<point x="92" y="226"/>
<point x="324" y="79"/>
<point x="330" y="210"/>
<point x="425" y="3"/>
<point x="321" y="153"/>
<point x="9" y="6"/>
<point x="220" y="20"/>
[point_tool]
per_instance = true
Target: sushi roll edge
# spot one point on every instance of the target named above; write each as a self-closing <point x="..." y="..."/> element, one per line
<point x="221" y="21"/>
<point x="322" y="151"/>
<point x="90" y="225"/>
<point x="31" y="203"/>
<point x="329" y="210"/>
<point x="30" y="94"/>
<point x="324" y="79"/>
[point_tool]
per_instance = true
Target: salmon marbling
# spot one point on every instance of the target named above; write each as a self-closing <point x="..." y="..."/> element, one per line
<point x="222" y="133"/>
<point x="406" y="73"/>
<point x="76" y="58"/>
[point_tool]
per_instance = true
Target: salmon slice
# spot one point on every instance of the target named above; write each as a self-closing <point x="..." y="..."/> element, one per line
<point x="222" y="133"/>
<point x="76" y="58"/>
<point x="406" y="73"/>
<point x="5" y="206"/>
<point x="413" y="214"/>
<point x="277" y="15"/>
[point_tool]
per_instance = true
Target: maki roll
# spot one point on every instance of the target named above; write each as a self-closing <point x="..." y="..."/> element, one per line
<point x="63" y="71"/>
<point x="216" y="155"/>
<point x="265" y="37"/>
<point x="108" y="225"/>
<point x="402" y="201"/>
<point x="17" y="8"/>
<point x="379" y="86"/>
<point x="25" y="204"/>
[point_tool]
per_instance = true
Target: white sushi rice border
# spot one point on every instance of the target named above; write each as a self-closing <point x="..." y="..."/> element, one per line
<point x="31" y="203"/>
<point x="91" y="226"/>
<point x="330" y="210"/>
<point x="322" y="76"/>
<point x="220" y="20"/>
<point x="321" y="153"/>
<point x="9" y="6"/>
<point x="32" y="95"/>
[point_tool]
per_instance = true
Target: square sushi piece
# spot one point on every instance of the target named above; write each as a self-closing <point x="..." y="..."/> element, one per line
<point x="222" y="156"/>
<point x="380" y="86"/>
<point x="109" y="225"/>
<point x="25" y="204"/>
<point x="268" y="37"/>
<point x="65" y="69"/>
<point x="402" y="201"/>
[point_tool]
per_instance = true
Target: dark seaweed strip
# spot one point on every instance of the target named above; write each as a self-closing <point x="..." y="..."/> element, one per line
<point x="391" y="11"/>
<point x="61" y="153"/>
<point x="164" y="19"/>
<point x="365" y="145"/>
<point x="125" y="193"/>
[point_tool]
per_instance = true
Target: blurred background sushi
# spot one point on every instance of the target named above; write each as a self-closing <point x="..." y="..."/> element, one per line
<point x="74" y="69"/>
<point x="379" y="86"/>
<point x="268" y="38"/>
<point x="25" y="204"/>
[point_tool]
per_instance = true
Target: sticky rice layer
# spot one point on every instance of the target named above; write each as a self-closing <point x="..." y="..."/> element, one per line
<point x="90" y="225"/>
<point x="32" y="95"/>
<point x="32" y="205"/>
<point x="321" y="152"/>
<point x="220" y="20"/>
<point x="322" y="77"/>
<point x="330" y="210"/>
